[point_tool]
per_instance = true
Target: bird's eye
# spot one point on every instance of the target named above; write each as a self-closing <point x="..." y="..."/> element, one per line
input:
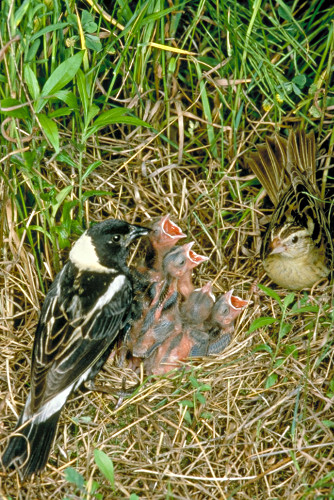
<point x="115" y="238"/>
<point x="294" y="239"/>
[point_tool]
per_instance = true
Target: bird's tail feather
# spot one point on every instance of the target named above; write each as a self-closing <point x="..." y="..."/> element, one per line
<point x="29" y="449"/>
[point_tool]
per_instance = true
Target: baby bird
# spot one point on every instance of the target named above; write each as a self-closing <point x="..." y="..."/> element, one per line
<point x="297" y="248"/>
<point x="163" y="310"/>
<point x="192" y="340"/>
<point x="163" y="237"/>
<point x="221" y="322"/>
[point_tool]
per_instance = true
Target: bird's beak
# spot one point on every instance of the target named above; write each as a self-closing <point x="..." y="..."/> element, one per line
<point x="194" y="258"/>
<point x="136" y="232"/>
<point x="276" y="246"/>
<point x="171" y="229"/>
<point x="237" y="305"/>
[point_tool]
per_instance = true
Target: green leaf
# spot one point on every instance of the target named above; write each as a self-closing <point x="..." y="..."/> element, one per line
<point x="299" y="80"/>
<point x="50" y="129"/>
<point x="90" y="169"/>
<point x="271" y="293"/>
<point x="93" y="110"/>
<point x="48" y="29"/>
<point x="105" y="465"/>
<point x="297" y="310"/>
<point x="263" y="347"/>
<point x="259" y="322"/>
<point x="61" y="112"/>
<point x="68" y="98"/>
<point x="115" y="115"/>
<point x="74" y="477"/>
<point x="93" y="192"/>
<point x="31" y="81"/>
<point x="194" y="382"/>
<point x="200" y="398"/>
<point x="93" y="43"/>
<point x="82" y="88"/>
<point x="271" y="380"/>
<point x="60" y="198"/>
<point x="328" y="423"/>
<point x="20" y="112"/>
<point x="187" y="402"/>
<point x="206" y="415"/>
<point x="62" y="75"/>
<point x="133" y="496"/>
<point x="288" y="300"/>
<point x="279" y="362"/>
<point x="87" y="22"/>
<point x="187" y="417"/>
<point x="204" y="388"/>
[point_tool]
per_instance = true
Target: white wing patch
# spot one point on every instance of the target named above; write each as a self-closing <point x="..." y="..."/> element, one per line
<point x="84" y="257"/>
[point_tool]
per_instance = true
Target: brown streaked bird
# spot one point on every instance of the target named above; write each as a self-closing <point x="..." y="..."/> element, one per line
<point x="297" y="248"/>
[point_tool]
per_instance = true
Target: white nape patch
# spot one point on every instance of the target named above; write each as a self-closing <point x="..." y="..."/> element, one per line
<point x="84" y="257"/>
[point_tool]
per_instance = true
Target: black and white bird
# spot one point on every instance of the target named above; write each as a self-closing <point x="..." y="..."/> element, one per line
<point x="81" y="319"/>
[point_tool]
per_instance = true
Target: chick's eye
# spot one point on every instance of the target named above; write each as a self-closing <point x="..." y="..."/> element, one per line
<point x="115" y="238"/>
<point x="294" y="239"/>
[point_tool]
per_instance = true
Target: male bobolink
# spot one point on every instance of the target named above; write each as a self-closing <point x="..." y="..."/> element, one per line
<point x="82" y="316"/>
<point x="297" y="248"/>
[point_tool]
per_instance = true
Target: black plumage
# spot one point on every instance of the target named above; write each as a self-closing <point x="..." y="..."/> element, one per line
<point x="82" y="317"/>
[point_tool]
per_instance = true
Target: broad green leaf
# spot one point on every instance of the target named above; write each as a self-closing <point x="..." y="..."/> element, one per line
<point x="74" y="477"/>
<point x="90" y="169"/>
<point x="259" y="322"/>
<point x="62" y="75"/>
<point x="262" y="347"/>
<point x="271" y="380"/>
<point x="60" y="112"/>
<point x="93" y="110"/>
<point x="105" y="465"/>
<point x="31" y="81"/>
<point x="60" y="198"/>
<point x="17" y="112"/>
<point x="117" y="115"/>
<point x="328" y="423"/>
<point x="47" y="29"/>
<point x="200" y="398"/>
<point x="288" y="300"/>
<point x="68" y="98"/>
<point x="81" y="82"/>
<point x="299" y="80"/>
<point x="187" y="402"/>
<point x="88" y="194"/>
<point x="93" y="43"/>
<point x="271" y="293"/>
<point x="50" y="129"/>
<point x="87" y="21"/>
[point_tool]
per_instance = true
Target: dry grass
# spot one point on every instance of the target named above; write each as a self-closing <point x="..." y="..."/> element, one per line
<point x="253" y="441"/>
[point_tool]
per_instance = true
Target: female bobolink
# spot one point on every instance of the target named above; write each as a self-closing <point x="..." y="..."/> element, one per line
<point x="297" y="248"/>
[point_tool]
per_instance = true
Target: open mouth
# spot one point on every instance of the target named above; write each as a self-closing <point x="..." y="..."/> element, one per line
<point x="172" y="229"/>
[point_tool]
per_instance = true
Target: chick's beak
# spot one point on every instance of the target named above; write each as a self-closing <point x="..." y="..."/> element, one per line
<point x="171" y="229"/>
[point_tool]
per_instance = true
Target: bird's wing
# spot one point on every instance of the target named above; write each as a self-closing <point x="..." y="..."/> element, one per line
<point x="66" y="349"/>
